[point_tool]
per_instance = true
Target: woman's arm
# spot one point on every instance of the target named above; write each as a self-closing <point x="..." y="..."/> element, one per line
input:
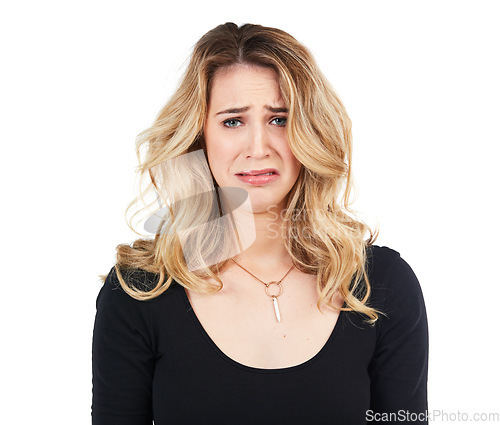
<point x="122" y="358"/>
<point x="399" y="366"/>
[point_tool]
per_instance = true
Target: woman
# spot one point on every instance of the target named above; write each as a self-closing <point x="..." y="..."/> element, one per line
<point x="259" y="300"/>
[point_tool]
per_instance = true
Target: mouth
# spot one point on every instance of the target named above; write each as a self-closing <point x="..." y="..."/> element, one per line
<point x="258" y="178"/>
<point x="263" y="172"/>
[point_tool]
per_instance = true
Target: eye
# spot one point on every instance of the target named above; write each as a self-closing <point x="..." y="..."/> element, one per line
<point x="280" y="121"/>
<point x="232" y="122"/>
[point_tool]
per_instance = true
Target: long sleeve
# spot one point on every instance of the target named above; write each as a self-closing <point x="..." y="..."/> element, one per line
<point x="122" y="358"/>
<point x="399" y="366"/>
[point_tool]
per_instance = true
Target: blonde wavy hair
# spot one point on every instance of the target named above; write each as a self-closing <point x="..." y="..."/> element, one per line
<point x="322" y="235"/>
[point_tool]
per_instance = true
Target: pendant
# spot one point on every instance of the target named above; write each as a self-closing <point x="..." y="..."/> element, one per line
<point x="276" y="309"/>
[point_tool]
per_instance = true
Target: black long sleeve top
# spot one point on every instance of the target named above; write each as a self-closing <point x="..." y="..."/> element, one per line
<point x="152" y="360"/>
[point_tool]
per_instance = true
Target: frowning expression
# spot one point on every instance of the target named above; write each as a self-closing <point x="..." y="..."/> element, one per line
<point x="245" y="133"/>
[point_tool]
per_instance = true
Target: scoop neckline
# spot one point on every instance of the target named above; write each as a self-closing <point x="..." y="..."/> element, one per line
<point x="224" y="356"/>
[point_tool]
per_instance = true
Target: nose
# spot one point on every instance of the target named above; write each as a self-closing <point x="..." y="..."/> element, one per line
<point x="258" y="145"/>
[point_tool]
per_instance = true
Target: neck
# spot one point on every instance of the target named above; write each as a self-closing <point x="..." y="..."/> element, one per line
<point x="263" y="242"/>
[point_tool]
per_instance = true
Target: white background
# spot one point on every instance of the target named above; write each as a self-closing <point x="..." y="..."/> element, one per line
<point x="80" y="80"/>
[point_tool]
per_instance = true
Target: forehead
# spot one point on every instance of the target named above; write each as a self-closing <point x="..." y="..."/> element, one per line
<point x="245" y="83"/>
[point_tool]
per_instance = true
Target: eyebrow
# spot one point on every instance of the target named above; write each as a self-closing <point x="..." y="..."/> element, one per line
<point x="246" y="108"/>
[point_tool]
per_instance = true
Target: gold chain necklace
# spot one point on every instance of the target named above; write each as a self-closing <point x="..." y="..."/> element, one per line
<point x="267" y="285"/>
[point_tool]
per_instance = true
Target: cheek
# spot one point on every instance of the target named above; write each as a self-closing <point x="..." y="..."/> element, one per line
<point x="292" y="160"/>
<point x="211" y="143"/>
<point x="214" y="161"/>
<point x="296" y="169"/>
<point x="217" y="156"/>
<point x="216" y="140"/>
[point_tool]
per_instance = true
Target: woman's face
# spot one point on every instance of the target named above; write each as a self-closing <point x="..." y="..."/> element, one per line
<point x="245" y="133"/>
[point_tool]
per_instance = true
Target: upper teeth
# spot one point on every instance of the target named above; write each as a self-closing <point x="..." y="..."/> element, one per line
<point x="265" y="174"/>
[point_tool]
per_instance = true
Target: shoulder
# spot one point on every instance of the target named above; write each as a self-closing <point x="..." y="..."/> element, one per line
<point x="119" y="315"/>
<point x="394" y="284"/>
<point x="112" y="291"/>
<point x="380" y="259"/>
<point x="398" y="369"/>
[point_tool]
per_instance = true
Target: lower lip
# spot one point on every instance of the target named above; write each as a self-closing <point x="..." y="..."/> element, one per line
<point x="258" y="180"/>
